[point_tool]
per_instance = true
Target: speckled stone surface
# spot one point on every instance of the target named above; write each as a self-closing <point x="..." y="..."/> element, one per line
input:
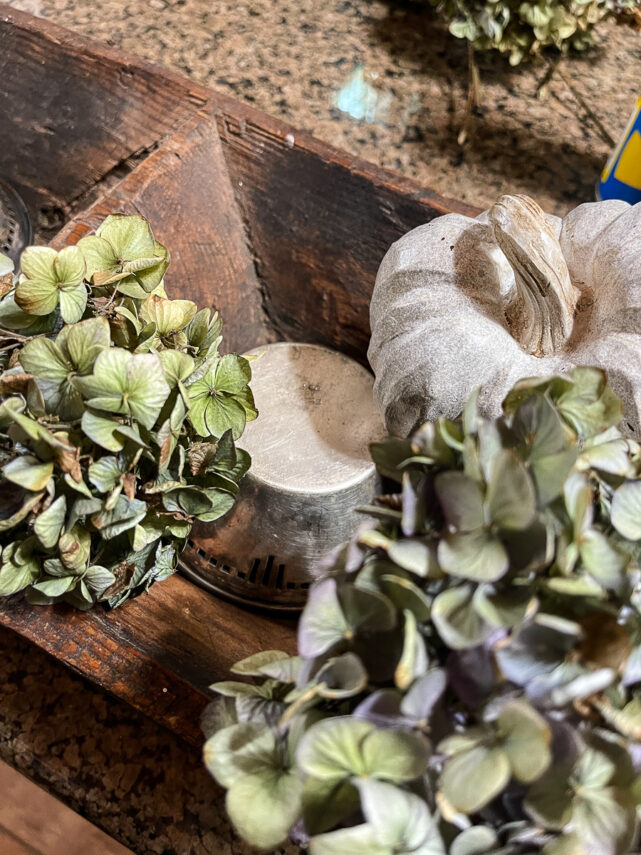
<point x="124" y="773"/>
<point x="290" y="58"/>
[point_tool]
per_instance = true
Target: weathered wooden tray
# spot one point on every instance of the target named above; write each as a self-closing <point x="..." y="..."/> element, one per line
<point x="289" y="235"/>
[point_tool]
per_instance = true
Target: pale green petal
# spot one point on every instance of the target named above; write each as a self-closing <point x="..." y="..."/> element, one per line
<point x="400" y="819"/>
<point x="322" y="624"/>
<point x="511" y="497"/>
<point x="473" y="778"/>
<point x="527" y="738"/>
<point x="69" y="266"/>
<point x="74" y="548"/>
<point x="147" y="389"/>
<point x="626" y="510"/>
<point x="49" y="523"/>
<point x="37" y="296"/>
<point x="232" y="374"/>
<point x="331" y="749"/>
<point x="176" y="365"/>
<point x="604" y="820"/>
<point x="44" y="359"/>
<point x="37" y="262"/>
<point x="394" y="755"/>
<point x="16" y="577"/>
<point x="456" y="620"/>
<point x="263" y="807"/>
<point x="28" y="472"/>
<point x="167" y="315"/>
<point x="130" y="236"/>
<point x="103" y="431"/>
<point x="238" y="750"/>
<point x="476" y="840"/>
<point x="98" y="254"/>
<point x="105" y="473"/>
<point x="474" y="555"/>
<point x="223" y="414"/>
<point x="73" y="302"/>
<point x="461" y="500"/>
<point x="84" y="341"/>
<point x="108" y="382"/>
<point x="357" y="840"/>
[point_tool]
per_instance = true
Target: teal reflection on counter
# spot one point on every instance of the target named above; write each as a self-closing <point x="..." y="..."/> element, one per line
<point x="360" y="99"/>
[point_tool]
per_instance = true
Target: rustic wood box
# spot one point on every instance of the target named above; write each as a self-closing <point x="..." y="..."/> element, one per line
<point x="289" y="235"/>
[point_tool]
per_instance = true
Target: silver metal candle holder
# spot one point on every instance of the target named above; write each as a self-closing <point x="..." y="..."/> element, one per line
<point x="15" y="226"/>
<point x="311" y="468"/>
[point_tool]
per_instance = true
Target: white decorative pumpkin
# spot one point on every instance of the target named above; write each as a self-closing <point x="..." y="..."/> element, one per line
<point x="461" y="303"/>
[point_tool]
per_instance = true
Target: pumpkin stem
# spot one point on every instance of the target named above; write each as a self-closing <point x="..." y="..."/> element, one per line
<point x="540" y="309"/>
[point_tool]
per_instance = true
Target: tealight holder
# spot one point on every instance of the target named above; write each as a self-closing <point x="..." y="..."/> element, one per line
<point x="311" y="468"/>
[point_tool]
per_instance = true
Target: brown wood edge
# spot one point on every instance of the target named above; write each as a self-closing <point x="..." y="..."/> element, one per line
<point x="140" y="176"/>
<point x="239" y="119"/>
<point x="229" y="110"/>
<point x="50" y="31"/>
<point x="89" y="644"/>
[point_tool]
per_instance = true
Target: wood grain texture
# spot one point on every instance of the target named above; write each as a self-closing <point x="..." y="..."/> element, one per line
<point x="319" y="221"/>
<point x="32" y="822"/>
<point x="70" y="115"/>
<point x="183" y="189"/>
<point x="158" y="652"/>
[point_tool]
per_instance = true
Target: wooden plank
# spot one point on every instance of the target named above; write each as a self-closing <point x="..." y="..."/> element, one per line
<point x="32" y="822"/>
<point x="158" y="652"/>
<point x="71" y="114"/>
<point x="12" y="845"/>
<point x="184" y="191"/>
<point x="319" y="221"/>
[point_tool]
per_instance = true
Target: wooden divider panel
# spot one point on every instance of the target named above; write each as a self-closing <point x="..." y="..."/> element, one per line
<point x="183" y="189"/>
<point x="70" y="115"/>
<point x="158" y="652"/>
<point x="319" y="222"/>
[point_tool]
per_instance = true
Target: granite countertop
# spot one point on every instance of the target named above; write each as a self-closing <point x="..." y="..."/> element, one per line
<point x="129" y="776"/>
<point x="291" y="59"/>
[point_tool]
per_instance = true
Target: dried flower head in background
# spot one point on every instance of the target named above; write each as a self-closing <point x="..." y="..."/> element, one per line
<point x="522" y="29"/>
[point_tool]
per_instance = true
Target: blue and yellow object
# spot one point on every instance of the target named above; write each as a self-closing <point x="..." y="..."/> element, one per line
<point x="621" y="178"/>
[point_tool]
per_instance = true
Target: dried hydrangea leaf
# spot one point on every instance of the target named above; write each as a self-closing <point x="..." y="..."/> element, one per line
<point x="16" y="575"/>
<point x="124" y="252"/>
<point x="626" y="510"/>
<point x="337" y="748"/>
<point x="526" y="740"/>
<point x="264" y="796"/>
<point x="28" y="472"/>
<point x="50" y="278"/>
<point x="126" y="383"/>
<point x="474" y="777"/>
<point x="357" y="840"/>
<point x="49" y="524"/>
<point x="167" y="315"/>
<point x="221" y="400"/>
